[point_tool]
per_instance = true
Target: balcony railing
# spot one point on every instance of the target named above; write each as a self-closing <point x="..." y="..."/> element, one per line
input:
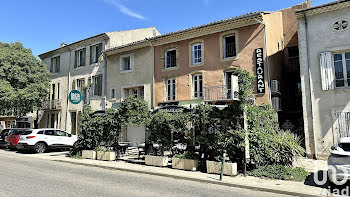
<point x="53" y="104"/>
<point x="217" y="93"/>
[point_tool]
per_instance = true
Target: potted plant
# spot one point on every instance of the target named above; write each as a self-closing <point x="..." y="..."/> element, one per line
<point x="214" y="167"/>
<point x="186" y="161"/>
<point x="154" y="160"/>
<point x="88" y="154"/>
<point x="105" y="154"/>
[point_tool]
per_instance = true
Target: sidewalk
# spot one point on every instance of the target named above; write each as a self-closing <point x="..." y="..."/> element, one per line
<point x="254" y="183"/>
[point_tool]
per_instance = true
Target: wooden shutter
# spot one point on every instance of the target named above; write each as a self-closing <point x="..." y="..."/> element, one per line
<point x="73" y="84"/>
<point x="99" y="51"/>
<point x="84" y="57"/>
<point x="75" y="59"/>
<point x="99" y="85"/>
<point x="58" y="64"/>
<point x="327" y="76"/>
<point x="51" y="66"/>
<point x="91" y="55"/>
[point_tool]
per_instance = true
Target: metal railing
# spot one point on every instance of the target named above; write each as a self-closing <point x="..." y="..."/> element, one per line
<point x="53" y="104"/>
<point x="216" y="93"/>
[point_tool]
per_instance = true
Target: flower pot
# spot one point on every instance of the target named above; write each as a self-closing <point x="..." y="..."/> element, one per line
<point x="106" y="156"/>
<point x="156" y="160"/>
<point x="88" y="154"/>
<point x="184" y="164"/>
<point x="214" y="167"/>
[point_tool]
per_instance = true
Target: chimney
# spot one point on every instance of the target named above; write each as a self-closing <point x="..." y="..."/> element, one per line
<point x="63" y="45"/>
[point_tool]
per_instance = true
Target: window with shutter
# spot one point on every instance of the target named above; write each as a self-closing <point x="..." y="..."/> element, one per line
<point x="341" y="63"/>
<point x="99" y="90"/>
<point x="327" y="76"/>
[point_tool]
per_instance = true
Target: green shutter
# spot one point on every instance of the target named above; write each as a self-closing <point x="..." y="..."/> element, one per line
<point x="73" y="84"/>
<point x="91" y="55"/>
<point x="84" y="57"/>
<point x="99" y="51"/>
<point x="75" y="59"/>
<point x="51" y="66"/>
<point x="58" y="64"/>
<point x="99" y="85"/>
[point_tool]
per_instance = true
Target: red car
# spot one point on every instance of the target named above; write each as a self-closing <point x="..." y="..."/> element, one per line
<point x="13" y="138"/>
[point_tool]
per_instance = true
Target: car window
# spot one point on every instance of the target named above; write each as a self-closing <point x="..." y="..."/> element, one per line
<point x="40" y="132"/>
<point x="50" y="132"/>
<point x="61" y="133"/>
<point x="345" y="146"/>
<point x="25" y="132"/>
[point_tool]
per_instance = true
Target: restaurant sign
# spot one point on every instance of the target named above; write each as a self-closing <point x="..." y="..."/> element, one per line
<point x="260" y="75"/>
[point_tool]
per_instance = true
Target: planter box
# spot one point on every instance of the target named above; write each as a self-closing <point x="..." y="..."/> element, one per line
<point x="156" y="160"/>
<point x="214" y="167"/>
<point x="88" y="154"/>
<point x="184" y="164"/>
<point x="106" y="156"/>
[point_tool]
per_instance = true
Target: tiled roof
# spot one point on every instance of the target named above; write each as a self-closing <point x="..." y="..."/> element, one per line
<point x="323" y="5"/>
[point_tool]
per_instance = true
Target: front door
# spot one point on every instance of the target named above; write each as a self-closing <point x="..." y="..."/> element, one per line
<point x="228" y="81"/>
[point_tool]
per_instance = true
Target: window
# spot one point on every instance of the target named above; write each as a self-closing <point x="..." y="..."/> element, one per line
<point x="229" y="46"/>
<point x="126" y="62"/>
<point x="80" y="58"/>
<point x="170" y="89"/>
<point x="197" y="86"/>
<point x="49" y="132"/>
<point x="340" y="25"/>
<point x="97" y="85"/>
<point x="80" y="84"/>
<point x="170" y="58"/>
<point x="113" y="93"/>
<point x="95" y="52"/>
<point x="197" y="54"/>
<point x="228" y="80"/>
<point x="136" y="92"/>
<point x="341" y="63"/>
<point x="55" y="65"/>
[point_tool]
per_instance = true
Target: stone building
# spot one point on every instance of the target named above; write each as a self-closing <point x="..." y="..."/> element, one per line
<point x="324" y="49"/>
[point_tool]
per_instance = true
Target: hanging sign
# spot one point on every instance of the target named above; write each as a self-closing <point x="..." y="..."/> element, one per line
<point x="260" y="75"/>
<point x="75" y="97"/>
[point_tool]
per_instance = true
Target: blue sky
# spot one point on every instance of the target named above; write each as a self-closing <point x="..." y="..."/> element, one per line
<point x="43" y="24"/>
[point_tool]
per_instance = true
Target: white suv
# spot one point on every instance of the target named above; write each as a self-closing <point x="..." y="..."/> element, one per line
<point x="41" y="140"/>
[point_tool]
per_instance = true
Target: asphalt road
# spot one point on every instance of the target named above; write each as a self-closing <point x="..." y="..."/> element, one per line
<point x="26" y="176"/>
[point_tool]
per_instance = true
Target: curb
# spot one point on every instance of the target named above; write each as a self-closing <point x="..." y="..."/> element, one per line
<point x="193" y="179"/>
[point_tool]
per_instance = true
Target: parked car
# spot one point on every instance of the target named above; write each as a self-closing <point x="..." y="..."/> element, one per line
<point x="13" y="136"/>
<point x="339" y="161"/>
<point x="40" y="140"/>
<point x="3" y="134"/>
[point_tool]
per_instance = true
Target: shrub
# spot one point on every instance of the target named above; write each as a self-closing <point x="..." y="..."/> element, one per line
<point x="280" y="172"/>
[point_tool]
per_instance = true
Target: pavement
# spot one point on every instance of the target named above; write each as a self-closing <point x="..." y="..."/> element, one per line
<point x="243" y="185"/>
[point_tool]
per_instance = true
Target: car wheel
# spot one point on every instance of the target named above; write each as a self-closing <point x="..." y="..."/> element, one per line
<point x="40" y="147"/>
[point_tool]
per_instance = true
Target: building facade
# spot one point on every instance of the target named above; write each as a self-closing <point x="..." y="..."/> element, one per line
<point x="80" y="66"/>
<point x="195" y="65"/>
<point x="324" y="49"/>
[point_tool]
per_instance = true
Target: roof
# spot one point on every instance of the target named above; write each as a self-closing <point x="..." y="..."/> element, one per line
<point x="145" y="42"/>
<point x="129" y="46"/>
<point x="325" y="7"/>
<point x="68" y="45"/>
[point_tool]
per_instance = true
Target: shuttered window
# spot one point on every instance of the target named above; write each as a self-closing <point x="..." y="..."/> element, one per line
<point x="343" y="123"/>
<point x="95" y="52"/>
<point x="55" y="64"/>
<point x="341" y="63"/>
<point x="97" y="85"/>
<point x="327" y="75"/>
<point x="80" y="58"/>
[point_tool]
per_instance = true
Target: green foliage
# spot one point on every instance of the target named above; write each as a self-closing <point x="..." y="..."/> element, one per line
<point x="24" y="80"/>
<point x="162" y="125"/>
<point x="187" y="155"/>
<point x="246" y="86"/>
<point x="280" y="172"/>
<point x="269" y="145"/>
<point x="102" y="130"/>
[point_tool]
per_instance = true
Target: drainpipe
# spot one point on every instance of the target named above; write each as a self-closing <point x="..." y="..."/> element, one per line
<point x="104" y="82"/>
<point x="67" y="108"/>
<point x="152" y="85"/>
<point x="267" y="59"/>
<point x="310" y="81"/>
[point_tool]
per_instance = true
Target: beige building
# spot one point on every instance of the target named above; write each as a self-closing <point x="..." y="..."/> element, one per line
<point x="80" y="66"/>
<point x="324" y="48"/>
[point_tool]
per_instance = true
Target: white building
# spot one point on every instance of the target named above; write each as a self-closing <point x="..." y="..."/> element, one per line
<point x="324" y="50"/>
<point x="80" y="66"/>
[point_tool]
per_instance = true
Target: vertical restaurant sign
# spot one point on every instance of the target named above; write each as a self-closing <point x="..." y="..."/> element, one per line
<point x="260" y="75"/>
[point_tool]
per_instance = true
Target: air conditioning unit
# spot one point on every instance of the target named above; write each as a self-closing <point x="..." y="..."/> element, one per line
<point x="234" y="87"/>
<point x="276" y="103"/>
<point x="275" y="86"/>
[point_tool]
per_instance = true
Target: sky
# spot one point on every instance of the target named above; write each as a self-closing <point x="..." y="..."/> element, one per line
<point x="42" y="25"/>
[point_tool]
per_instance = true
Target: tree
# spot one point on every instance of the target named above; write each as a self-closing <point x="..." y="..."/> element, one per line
<point x="24" y="80"/>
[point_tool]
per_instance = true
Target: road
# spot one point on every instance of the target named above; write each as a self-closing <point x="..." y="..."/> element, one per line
<point x="21" y="175"/>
